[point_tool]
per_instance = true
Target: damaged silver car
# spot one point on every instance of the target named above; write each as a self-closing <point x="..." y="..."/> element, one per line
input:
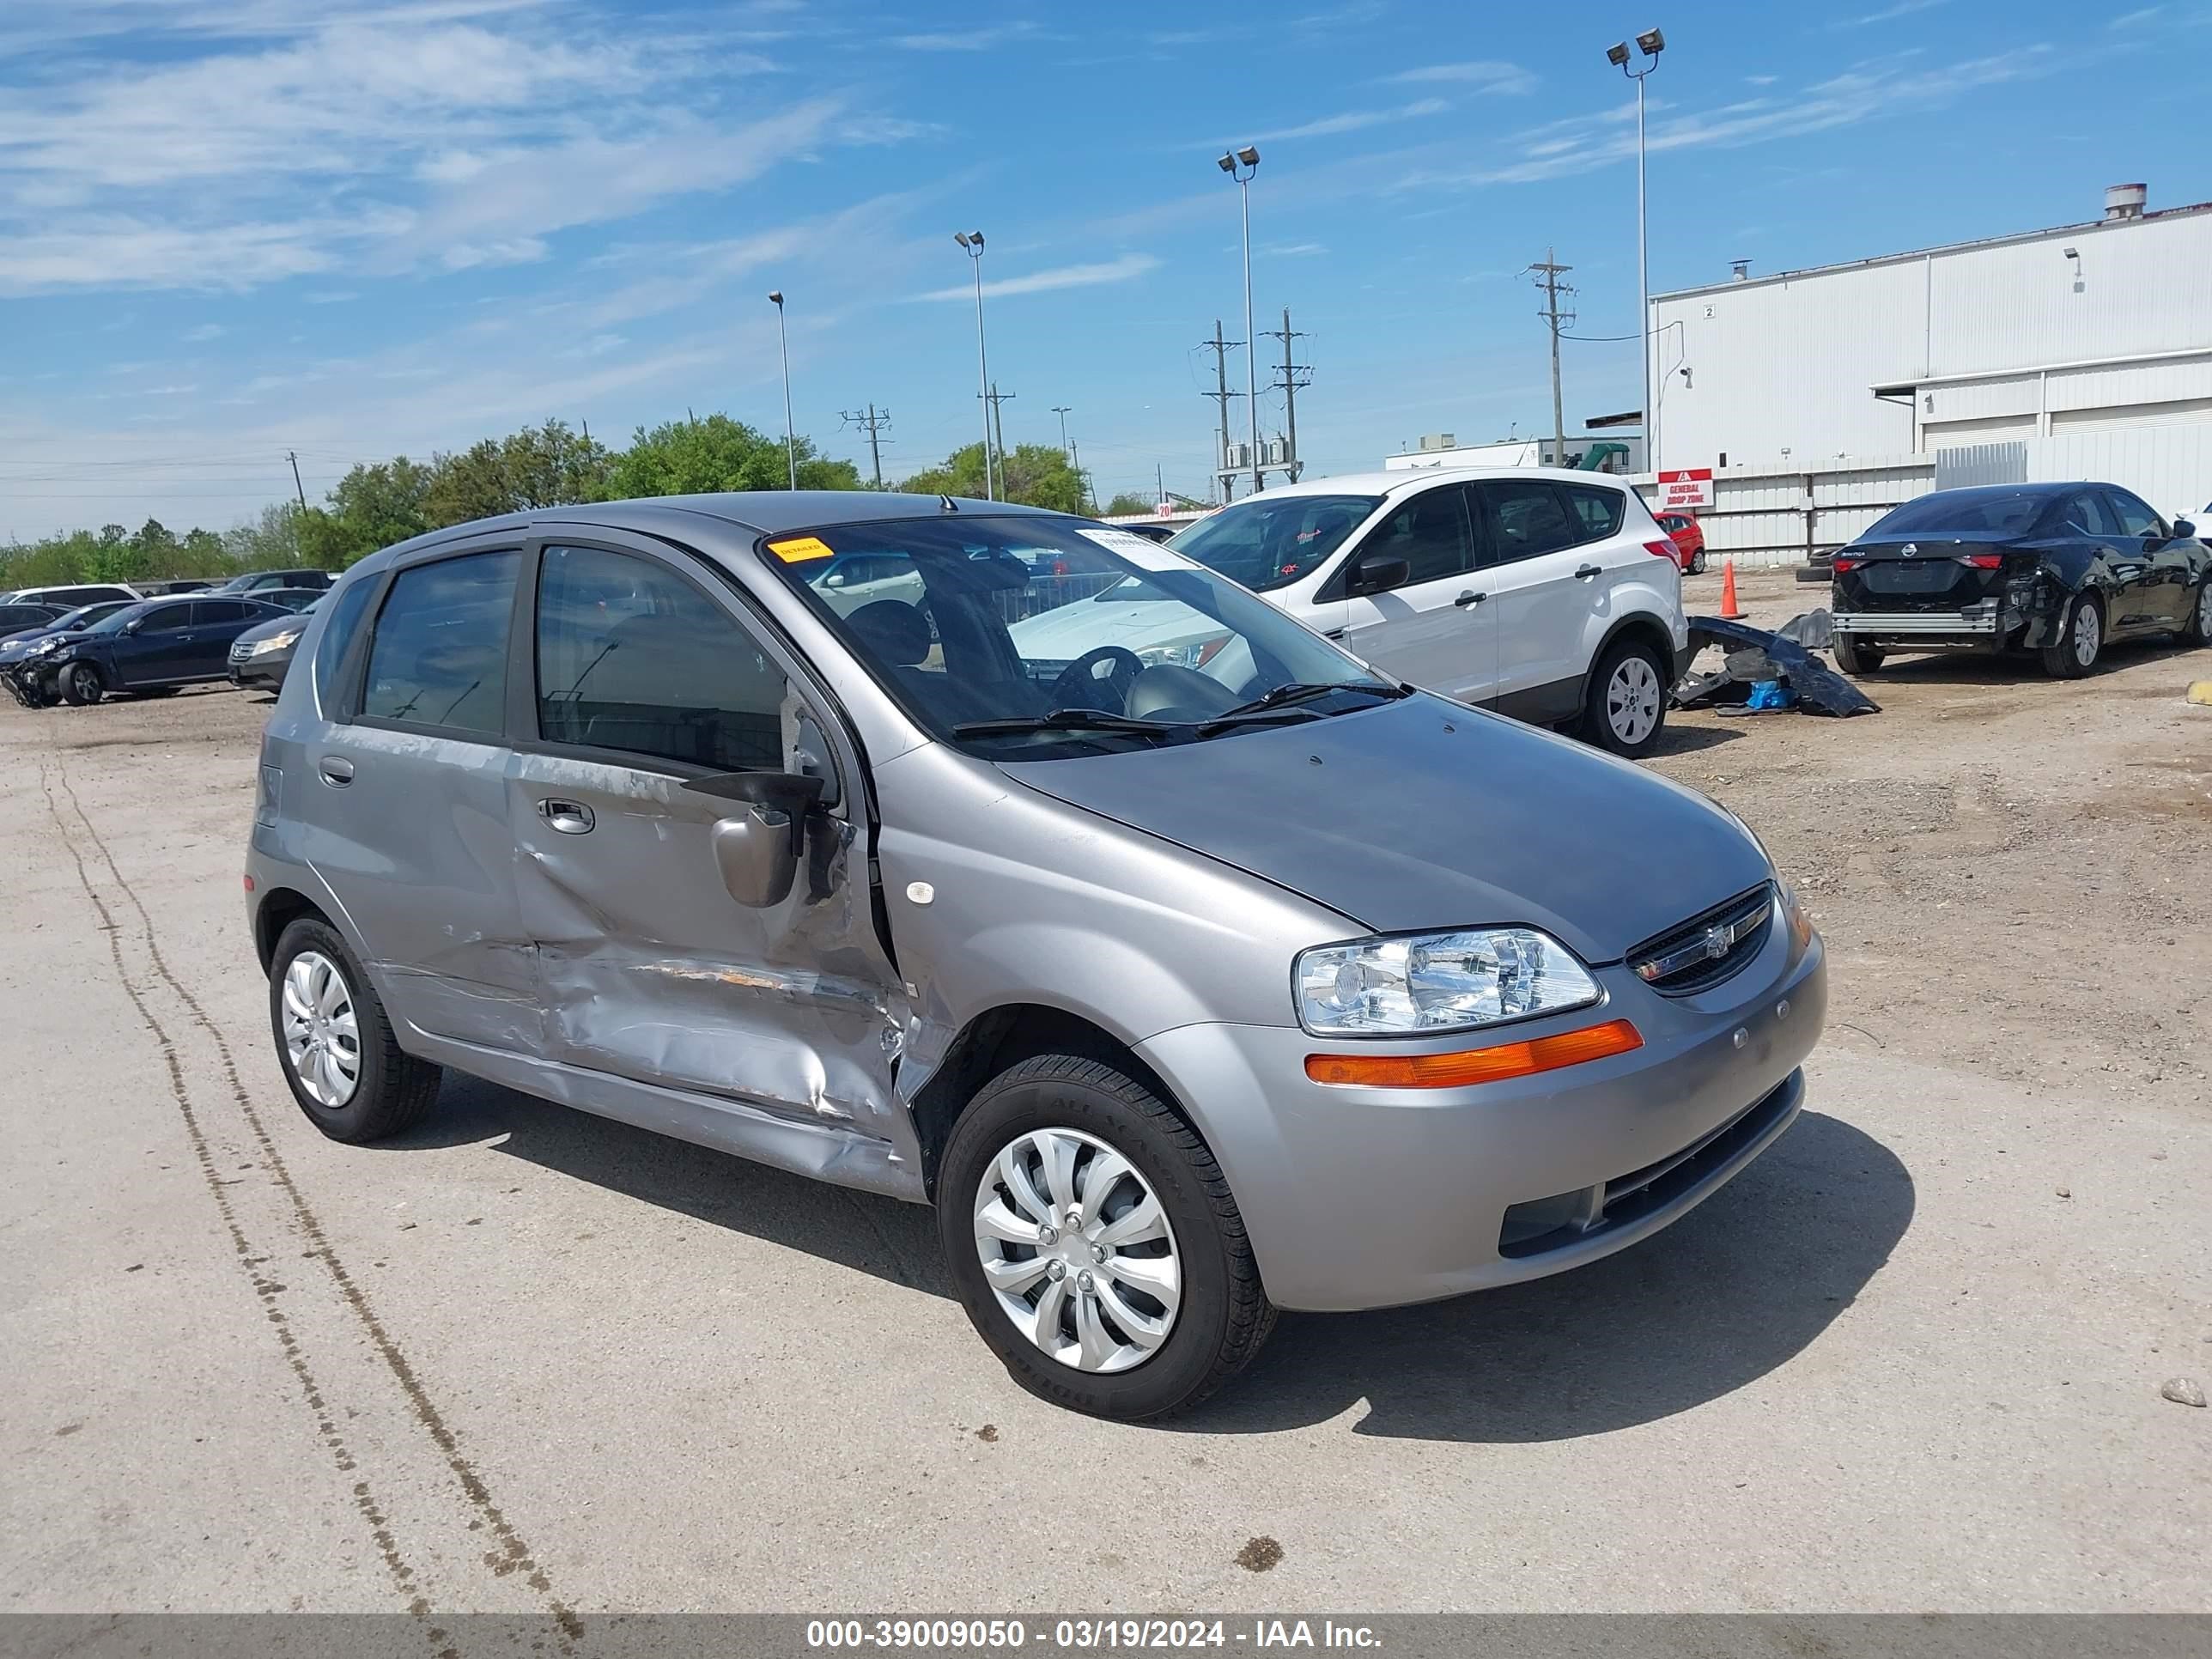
<point x="1190" y="974"/>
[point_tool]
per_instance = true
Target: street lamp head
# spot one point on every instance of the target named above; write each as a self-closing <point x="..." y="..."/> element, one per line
<point x="970" y="239"/>
<point x="1618" y="54"/>
<point x="2071" y="252"/>
<point x="1248" y="155"/>
<point x="1227" y="163"/>
<point x="1651" y="43"/>
<point x="775" y="296"/>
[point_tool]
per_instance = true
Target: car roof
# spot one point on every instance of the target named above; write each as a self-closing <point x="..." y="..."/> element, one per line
<point x="748" y="513"/>
<point x="1405" y="478"/>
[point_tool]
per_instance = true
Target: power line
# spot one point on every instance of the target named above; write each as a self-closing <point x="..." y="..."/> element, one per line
<point x="1221" y="348"/>
<point x="871" y="423"/>
<point x="1290" y="386"/>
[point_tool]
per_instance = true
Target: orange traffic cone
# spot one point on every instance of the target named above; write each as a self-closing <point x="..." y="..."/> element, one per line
<point x="1730" y="611"/>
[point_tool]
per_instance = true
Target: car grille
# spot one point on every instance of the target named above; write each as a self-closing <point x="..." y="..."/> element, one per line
<point x="1706" y="949"/>
<point x="1550" y="1223"/>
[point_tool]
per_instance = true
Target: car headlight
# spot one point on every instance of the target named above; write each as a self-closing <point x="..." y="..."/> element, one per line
<point x="1196" y="655"/>
<point x="45" y="646"/>
<point x="1435" y="982"/>
<point x="284" y="642"/>
<point x="1795" y="912"/>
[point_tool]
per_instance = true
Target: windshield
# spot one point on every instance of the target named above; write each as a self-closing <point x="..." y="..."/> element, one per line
<point x="113" y="621"/>
<point x="1014" y="622"/>
<point x="1964" y="513"/>
<point x="1265" y="542"/>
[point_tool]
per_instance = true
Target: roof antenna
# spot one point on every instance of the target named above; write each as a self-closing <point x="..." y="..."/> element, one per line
<point x="948" y="504"/>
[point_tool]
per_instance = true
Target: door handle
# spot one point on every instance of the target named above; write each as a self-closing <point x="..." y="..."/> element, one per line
<point x="1469" y="597"/>
<point x="336" y="770"/>
<point x="1585" y="571"/>
<point x="570" y="818"/>
<point x="1333" y="633"/>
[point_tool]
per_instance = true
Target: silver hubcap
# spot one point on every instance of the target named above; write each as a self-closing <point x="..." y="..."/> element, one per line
<point x="1078" y="1250"/>
<point x="1631" y="700"/>
<point x="322" y="1039"/>
<point x="2086" y="635"/>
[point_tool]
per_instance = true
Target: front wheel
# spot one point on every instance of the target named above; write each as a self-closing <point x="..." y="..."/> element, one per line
<point x="1852" y="657"/>
<point x="1095" y="1244"/>
<point x="1625" y="709"/>
<point x="82" y="685"/>
<point x="2074" y="654"/>
<point x="2198" y="629"/>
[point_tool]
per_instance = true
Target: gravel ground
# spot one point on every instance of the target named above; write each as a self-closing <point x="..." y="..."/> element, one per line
<point x="528" y="1360"/>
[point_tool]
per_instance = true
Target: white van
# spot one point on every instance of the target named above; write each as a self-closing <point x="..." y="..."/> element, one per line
<point x="1550" y="596"/>
<point x="69" y="595"/>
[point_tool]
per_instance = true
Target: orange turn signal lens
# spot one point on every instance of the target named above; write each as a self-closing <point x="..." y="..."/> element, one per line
<point x="1470" y="1065"/>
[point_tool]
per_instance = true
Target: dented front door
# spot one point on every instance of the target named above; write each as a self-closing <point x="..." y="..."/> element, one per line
<point x="649" y="968"/>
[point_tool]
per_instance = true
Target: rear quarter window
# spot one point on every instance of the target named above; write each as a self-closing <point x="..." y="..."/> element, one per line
<point x="1598" y="511"/>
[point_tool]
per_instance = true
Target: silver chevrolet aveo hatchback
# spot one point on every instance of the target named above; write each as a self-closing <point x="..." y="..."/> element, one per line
<point x="1188" y="982"/>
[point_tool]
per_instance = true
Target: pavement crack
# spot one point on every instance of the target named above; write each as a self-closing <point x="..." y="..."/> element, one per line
<point x="514" y="1552"/>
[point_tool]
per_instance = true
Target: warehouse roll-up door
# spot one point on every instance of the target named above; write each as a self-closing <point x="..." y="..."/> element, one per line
<point x="1989" y="429"/>
<point x="2188" y="411"/>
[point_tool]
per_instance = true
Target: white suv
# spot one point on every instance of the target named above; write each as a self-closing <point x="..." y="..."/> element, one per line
<point x="1550" y="596"/>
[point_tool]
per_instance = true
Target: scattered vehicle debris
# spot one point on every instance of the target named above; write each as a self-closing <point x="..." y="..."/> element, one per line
<point x="1769" y="672"/>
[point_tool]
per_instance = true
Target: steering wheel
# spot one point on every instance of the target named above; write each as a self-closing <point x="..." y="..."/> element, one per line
<point x="1079" y="680"/>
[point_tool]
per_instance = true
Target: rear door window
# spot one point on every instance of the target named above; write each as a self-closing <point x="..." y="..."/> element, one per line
<point x="210" y="613"/>
<point x="1597" y="510"/>
<point x="331" y="649"/>
<point x="633" y="657"/>
<point x="439" y="655"/>
<point x="1528" y="520"/>
<point x="2087" y="513"/>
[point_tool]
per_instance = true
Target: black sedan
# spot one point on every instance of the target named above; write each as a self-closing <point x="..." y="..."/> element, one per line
<point x="148" y="649"/>
<point x="262" y="655"/>
<point x="2056" y="568"/>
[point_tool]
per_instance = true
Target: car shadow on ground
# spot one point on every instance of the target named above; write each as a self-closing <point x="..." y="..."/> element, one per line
<point x="1728" y="1294"/>
<point x="2018" y="667"/>
<point x="1680" y="739"/>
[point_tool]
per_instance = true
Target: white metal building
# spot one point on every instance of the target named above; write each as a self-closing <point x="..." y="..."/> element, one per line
<point x="2085" y="328"/>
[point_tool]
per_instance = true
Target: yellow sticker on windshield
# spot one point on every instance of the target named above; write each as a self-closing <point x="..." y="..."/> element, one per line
<point x="801" y="550"/>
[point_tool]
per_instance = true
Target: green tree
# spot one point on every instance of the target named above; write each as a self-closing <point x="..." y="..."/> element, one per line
<point x="370" y="506"/>
<point x="682" y="457"/>
<point x="1129" y="501"/>
<point x="270" y="542"/>
<point x="1037" y="475"/>
<point x="202" y="554"/>
<point x="546" y="465"/>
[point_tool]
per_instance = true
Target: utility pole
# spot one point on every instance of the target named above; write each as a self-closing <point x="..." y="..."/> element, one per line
<point x="297" y="487"/>
<point x="1159" y="484"/>
<point x="1064" y="410"/>
<point x="1290" y="386"/>
<point x="1083" y="487"/>
<point x="1221" y="348"/>
<point x="994" y="399"/>
<point x="1548" y="275"/>
<point x="871" y="423"/>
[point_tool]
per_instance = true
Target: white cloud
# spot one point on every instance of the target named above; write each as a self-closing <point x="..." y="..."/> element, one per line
<point x="1355" y="121"/>
<point x="2128" y="20"/>
<point x="1484" y="74"/>
<point x="1296" y="249"/>
<point x="976" y="39"/>
<point x="1762" y="80"/>
<point x="1887" y="14"/>
<point x="518" y="251"/>
<point x="205" y="332"/>
<point x="1122" y="269"/>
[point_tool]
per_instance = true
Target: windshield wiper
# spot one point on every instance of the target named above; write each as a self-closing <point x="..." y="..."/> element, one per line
<point x="1064" y="720"/>
<point x="1298" y="691"/>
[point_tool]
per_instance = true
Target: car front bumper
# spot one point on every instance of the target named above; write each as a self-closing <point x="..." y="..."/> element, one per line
<point x="1365" y="1198"/>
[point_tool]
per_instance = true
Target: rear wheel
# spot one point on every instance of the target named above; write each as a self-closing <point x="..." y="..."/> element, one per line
<point x="1852" y="657"/>
<point x="2079" y="638"/>
<point x="82" y="685"/>
<point x="1094" y="1242"/>
<point x="334" y="1040"/>
<point x="1698" y="563"/>
<point x="1626" y="707"/>
<point x="2198" y="630"/>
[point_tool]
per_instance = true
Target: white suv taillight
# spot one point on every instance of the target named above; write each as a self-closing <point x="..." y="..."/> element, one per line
<point x="1662" y="550"/>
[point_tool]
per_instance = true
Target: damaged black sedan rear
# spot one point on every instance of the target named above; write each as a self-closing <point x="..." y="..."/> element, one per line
<point x="2056" y="569"/>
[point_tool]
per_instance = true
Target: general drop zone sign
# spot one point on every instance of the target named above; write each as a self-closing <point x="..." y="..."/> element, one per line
<point x="1688" y="489"/>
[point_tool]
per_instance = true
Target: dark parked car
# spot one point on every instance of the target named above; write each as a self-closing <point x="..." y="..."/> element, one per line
<point x="148" y="649"/>
<point x="254" y="580"/>
<point x="175" y="584"/>
<point x="26" y="618"/>
<point x="2057" y="569"/>
<point x="262" y="655"/>
<point x="295" y="599"/>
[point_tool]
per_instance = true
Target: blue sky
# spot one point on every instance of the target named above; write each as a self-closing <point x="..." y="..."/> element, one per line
<point x="230" y="228"/>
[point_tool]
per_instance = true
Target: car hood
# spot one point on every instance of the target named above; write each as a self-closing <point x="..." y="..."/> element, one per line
<point x="271" y="629"/>
<point x="1424" y="814"/>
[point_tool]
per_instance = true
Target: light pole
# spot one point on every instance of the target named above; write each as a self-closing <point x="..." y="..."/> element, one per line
<point x="1228" y="164"/>
<point x="1650" y="43"/>
<point x="1063" y="410"/>
<point x="972" y="240"/>
<point x="790" y="438"/>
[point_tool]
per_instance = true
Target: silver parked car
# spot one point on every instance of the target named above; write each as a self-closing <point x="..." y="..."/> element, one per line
<point x="1186" y="981"/>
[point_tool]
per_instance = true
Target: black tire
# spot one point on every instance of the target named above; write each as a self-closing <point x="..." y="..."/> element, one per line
<point x="1599" y="726"/>
<point x="2063" y="659"/>
<point x="1698" y="563"/>
<point x="1224" y="1313"/>
<point x="1852" y="657"/>
<point x="393" y="1091"/>
<point x="2197" y="630"/>
<point x="82" y="685"/>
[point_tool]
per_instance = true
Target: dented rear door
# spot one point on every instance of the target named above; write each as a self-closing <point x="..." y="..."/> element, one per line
<point x="646" y="673"/>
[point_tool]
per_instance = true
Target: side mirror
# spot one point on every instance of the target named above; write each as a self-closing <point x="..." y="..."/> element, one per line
<point x="758" y="850"/>
<point x="2184" y="530"/>
<point x="134" y="624"/>
<point x="1374" y="573"/>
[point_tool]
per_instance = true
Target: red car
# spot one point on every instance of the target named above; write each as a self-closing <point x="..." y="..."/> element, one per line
<point x="1689" y="539"/>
